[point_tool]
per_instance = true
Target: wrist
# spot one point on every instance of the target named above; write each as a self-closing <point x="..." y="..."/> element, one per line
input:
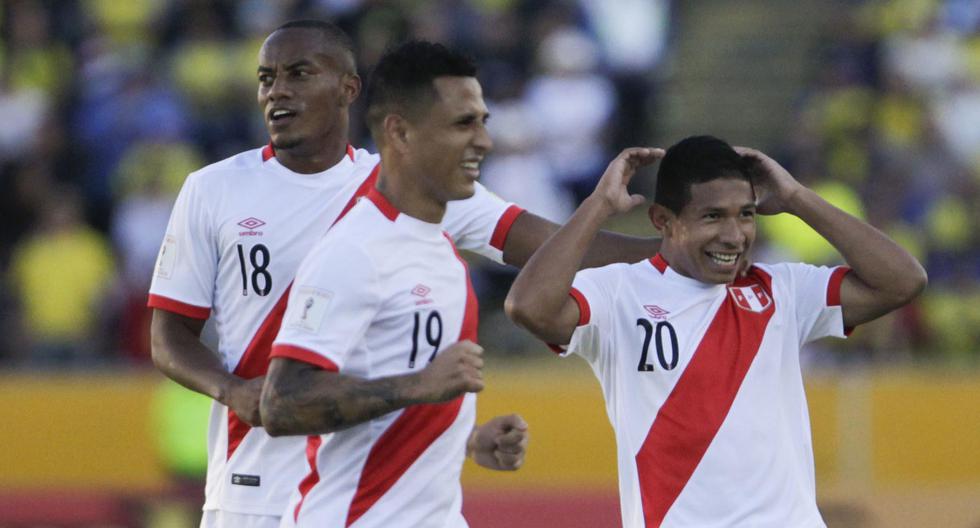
<point x="799" y="200"/>
<point x="413" y="388"/>
<point x="471" y="442"/>
<point x="226" y="386"/>
<point x="597" y="207"/>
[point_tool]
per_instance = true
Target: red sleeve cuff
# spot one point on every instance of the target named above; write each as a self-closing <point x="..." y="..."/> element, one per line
<point x="177" y="307"/>
<point x="500" y="232"/>
<point x="303" y="354"/>
<point x="833" y="286"/>
<point x="584" y="312"/>
<point x="833" y="291"/>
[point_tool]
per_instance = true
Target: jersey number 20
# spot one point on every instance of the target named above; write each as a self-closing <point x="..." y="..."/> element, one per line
<point x="648" y="334"/>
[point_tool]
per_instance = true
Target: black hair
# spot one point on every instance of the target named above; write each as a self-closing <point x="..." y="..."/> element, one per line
<point x="696" y="159"/>
<point x="331" y="33"/>
<point x="403" y="79"/>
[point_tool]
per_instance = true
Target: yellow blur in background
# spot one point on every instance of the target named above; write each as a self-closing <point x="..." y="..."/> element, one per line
<point x="892" y="449"/>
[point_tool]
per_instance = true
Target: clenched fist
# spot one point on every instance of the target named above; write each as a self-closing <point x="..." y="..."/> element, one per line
<point x="454" y="372"/>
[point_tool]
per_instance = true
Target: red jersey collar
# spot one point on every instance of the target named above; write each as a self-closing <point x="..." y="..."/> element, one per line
<point x="269" y="152"/>
<point x="382" y="203"/>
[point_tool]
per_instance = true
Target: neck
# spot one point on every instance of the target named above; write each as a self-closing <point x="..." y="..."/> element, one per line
<point x="676" y="264"/>
<point x="316" y="154"/>
<point x="404" y="191"/>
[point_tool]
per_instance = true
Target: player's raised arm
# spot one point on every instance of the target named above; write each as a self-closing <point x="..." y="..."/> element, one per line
<point x="300" y="398"/>
<point x="538" y="299"/>
<point x="530" y="231"/>
<point x="884" y="276"/>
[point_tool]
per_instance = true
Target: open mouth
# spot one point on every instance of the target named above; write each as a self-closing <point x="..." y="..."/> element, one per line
<point x="281" y="115"/>
<point x="472" y="167"/>
<point x="723" y="259"/>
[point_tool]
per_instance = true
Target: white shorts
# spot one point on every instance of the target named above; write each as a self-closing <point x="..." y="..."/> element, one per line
<point x="223" y="519"/>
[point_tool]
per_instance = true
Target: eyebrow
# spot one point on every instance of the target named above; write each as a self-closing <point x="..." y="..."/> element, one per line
<point x="483" y="116"/>
<point x="297" y="64"/>
<point x="722" y="209"/>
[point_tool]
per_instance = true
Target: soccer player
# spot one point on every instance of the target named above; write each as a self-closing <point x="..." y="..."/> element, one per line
<point x="377" y="344"/>
<point x="699" y="365"/>
<point x="237" y="234"/>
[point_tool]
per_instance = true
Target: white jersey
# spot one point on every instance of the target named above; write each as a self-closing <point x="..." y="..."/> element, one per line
<point x="380" y="296"/>
<point x="237" y="234"/>
<point x="703" y="387"/>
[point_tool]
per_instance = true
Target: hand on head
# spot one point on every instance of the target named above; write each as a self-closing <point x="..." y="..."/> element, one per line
<point x="612" y="187"/>
<point x="774" y="186"/>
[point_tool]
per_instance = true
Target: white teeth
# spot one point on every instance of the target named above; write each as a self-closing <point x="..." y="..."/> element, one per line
<point x="724" y="258"/>
<point x="471" y="164"/>
<point x="280" y="113"/>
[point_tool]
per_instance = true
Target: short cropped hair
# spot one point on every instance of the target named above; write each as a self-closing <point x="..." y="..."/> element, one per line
<point x="696" y="159"/>
<point x="402" y="82"/>
<point x="331" y="33"/>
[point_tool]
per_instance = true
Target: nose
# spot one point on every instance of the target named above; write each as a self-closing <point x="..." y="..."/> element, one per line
<point x="279" y="89"/>
<point x="731" y="233"/>
<point x="482" y="141"/>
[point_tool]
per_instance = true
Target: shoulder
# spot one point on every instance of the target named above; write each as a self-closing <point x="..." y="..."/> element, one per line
<point x="346" y="248"/>
<point x="609" y="276"/>
<point x="363" y="227"/>
<point x="218" y="171"/>
<point x="366" y="158"/>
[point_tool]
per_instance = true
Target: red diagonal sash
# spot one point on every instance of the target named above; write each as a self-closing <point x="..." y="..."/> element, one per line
<point x="692" y="414"/>
<point x="255" y="361"/>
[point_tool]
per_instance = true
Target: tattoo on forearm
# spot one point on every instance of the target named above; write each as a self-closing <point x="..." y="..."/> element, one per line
<point x="303" y="402"/>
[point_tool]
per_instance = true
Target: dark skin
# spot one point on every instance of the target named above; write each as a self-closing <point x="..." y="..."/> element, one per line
<point x="427" y="162"/>
<point x="720" y="218"/>
<point x="315" y="83"/>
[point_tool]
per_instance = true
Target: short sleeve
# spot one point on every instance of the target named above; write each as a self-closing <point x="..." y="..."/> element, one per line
<point x="593" y="290"/>
<point x="815" y="292"/>
<point x="331" y="304"/>
<point x="187" y="265"/>
<point x="481" y="223"/>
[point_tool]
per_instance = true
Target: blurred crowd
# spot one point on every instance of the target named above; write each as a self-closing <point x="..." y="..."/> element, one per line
<point x="108" y="105"/>
<point x="890" y="131"/>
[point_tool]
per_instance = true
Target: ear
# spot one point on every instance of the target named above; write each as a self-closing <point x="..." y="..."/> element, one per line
<point x="350" y="88"/>
<point x="662" y="218"/>
<point x="396" y="132"/>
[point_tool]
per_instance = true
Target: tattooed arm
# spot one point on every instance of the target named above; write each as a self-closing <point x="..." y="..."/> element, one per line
<point x="301" y="399"/>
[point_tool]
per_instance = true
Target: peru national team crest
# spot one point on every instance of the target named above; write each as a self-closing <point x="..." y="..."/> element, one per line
<point x="752" y="298"/>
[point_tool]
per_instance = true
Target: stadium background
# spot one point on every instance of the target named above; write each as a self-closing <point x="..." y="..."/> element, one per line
<point x="107" y="105"/>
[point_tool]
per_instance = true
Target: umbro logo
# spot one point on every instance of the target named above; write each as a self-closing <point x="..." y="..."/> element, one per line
<point x="655" y="311"/>
<point x="251" y="223"/>
<point x="421" y="290"/>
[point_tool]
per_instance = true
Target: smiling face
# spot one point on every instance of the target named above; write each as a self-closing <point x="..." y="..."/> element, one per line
<point x="709" y="240"/>
<point x="449" y="139"/>
<point x="305" y="87"/>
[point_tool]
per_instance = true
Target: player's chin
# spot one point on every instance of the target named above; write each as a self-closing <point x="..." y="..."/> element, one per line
<point x="713" y="274"/>
<point x="284" y="141"/>
<point x="464" y="190"/>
